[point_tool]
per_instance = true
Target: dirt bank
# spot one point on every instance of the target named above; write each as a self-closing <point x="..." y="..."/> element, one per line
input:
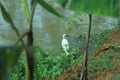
<point x="108" y="53"/>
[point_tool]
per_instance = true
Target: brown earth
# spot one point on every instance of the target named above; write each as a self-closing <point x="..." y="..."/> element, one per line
<point x="74" y="72"/>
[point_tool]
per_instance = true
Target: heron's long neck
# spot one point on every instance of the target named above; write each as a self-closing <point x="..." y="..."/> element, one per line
<point x="63" y="37"/>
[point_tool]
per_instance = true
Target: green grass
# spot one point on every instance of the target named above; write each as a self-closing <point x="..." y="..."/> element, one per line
<point x="99" y="38"/>
<point x="49" y="66"/>
<point x="117" y="77"/>
<point x="101" y="62"/>
<point x="104" y="60"/>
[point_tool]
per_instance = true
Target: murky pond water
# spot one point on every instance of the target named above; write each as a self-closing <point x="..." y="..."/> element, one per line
<point x="48" y="28"/>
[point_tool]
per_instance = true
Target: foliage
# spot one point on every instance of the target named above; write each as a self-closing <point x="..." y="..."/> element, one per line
<point x="101" y="7"/>
<point x="103" y="60"/>
<point x="70" y="22"/>
<point x="26" y="10"/>
<point x="18" y="72"/>
<point x="47" y="66"/>
<point x="98" y="64"/>
<point x="117" y="77"/>
<point x="62" y="2"/>
<point x="99" y="38"/>
<point x="48" y="7"/>
<point x="8" y="57"/>
<point x="50" y="66"/>
<point x="8" y="18"/>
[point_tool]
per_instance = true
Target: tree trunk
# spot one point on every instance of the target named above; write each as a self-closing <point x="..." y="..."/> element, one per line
<point x="29" y="55"/>
<point x="84" y="74"/>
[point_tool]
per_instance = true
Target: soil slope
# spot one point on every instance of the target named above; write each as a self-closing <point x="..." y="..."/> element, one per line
<point x="110" y="71"/>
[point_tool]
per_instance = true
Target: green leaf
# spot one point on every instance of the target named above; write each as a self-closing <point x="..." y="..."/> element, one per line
<point x="102" y="7"/>
<point x="70" y="21"/>
<point x="8" y="19"/>
<point x="5" y="15"/>
<point x="48" y="7"/>
<point x="62" y="2"/>
<point x="8" y="58"/>
<point x="26" y="10"/>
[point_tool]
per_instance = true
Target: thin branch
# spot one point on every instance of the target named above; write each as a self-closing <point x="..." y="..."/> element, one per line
<point x="84" y="74"/>
<point x="30" y="33"/>
<point x="29" y="56"/>
<point x="21" y="38"/>
<point x="33" y="10"/>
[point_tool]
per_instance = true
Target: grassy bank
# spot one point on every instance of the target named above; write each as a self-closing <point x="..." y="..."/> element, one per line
<point x="103" y="63"/>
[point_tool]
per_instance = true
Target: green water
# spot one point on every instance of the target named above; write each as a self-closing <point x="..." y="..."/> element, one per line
<point x="48" y="28"/>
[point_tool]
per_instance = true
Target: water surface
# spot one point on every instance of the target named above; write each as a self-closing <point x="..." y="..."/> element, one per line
<point x="48" y="28"/>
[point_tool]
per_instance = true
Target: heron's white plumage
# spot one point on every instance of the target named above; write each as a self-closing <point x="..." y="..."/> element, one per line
<point x="65" y="44"/>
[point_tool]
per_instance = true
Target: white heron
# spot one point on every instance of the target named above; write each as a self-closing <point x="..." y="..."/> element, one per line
<point x="65" y="44"/>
